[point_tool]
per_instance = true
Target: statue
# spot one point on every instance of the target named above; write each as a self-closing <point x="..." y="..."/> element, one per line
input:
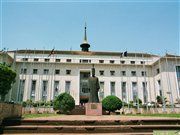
<point x="93" y="83"/>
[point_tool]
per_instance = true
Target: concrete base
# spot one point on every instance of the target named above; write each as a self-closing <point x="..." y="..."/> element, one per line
<point x="93" y="109"/>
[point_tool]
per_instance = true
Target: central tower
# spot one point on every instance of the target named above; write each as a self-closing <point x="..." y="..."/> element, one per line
<point x="85" y="46"/>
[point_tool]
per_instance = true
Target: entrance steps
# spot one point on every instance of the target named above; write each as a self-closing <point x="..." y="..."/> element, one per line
<point x="134" y="126"/>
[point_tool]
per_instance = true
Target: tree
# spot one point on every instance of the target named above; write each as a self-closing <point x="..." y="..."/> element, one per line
<point x="111" y="103"/>
<point x="7" y="78"/>
<point x="64" y="103"/>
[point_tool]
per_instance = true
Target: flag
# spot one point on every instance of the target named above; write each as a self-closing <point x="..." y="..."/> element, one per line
<point x="125" y="54"/>
<point x="51" y="53"/>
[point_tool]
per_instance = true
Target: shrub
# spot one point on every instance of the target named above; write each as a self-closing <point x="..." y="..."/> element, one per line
<point x="49" y="103"/>
<point x="24" y="104"/>
<point x="160" y="99"/>
<point x="7" y="78"/>
<point x="111" y="103"/>
<point x="64" y="103"/>
<point x="29" y="102"/>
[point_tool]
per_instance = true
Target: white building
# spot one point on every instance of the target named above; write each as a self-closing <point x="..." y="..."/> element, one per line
<point x="43" y="74"/>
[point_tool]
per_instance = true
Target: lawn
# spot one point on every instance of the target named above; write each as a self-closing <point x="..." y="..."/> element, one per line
<point x="156" y="115"/>
<point x="39" y="115"/>
<point x="143" y="115"/>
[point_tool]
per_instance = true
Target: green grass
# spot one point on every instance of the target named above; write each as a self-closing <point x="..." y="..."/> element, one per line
<point x="156" y="115"/>
<point x="143" y="115"/>
<point x="39" y="115"/>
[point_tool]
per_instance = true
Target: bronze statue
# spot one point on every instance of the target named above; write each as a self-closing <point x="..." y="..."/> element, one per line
<point x="93" y="83"/>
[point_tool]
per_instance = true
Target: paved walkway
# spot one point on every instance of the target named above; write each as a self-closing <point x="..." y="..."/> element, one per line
<point x="103" y="117"/>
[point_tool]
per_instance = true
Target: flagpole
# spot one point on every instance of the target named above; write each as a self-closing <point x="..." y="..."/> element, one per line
<point x="121" y="84"/>
<point x="52" y="76"/>
<point x="164" y="105"/>
<point x="29" y="81"/>
<point x="145" y="83"/>
<point x="155" y="94"/>
<point x="169" y="86"/>
<point x="137" y="96"/>
<point x="41" y="76"/>
<point x="176" y="81"/>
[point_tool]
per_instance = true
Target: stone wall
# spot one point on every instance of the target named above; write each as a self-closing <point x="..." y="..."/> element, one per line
<point x="149" y="111"/>
<point x="80" y="110"/>
<point x="10" y="110"/>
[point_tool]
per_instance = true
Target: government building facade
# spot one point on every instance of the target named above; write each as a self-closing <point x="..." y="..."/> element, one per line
<point x="44" y="74"/>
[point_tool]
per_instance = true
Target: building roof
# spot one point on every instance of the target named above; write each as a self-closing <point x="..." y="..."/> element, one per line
<point x="90" y="53"/>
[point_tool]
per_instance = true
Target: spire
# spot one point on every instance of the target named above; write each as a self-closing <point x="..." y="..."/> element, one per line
<point x="85" y="35"/>
<point x="85" y="46"/>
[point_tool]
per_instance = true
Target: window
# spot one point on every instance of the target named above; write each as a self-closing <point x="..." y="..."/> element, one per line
<point x="35" y="71"/>
<point x="101" y="72"/>
<point x="23" y="71"/>
<point x="132" y="62"/>
<point x="33" y="89"/>
<point x="21" y="90"/>
<point x="46" y="71"/>
<point x="142" y="62"/>
<point x="178" y="76"/>
<point x="25" y="59"/>
<point x="134" y="91"/>
<point x="123" y="73"/>
<point x="123" y="87"/>
<point x="143" y="73"/>
<point x="36" y="59"/>
<point x="122" y="61"/>
<point x="145" y="91"/>
<point x="84" y="61"/>
<point x="112" y="73"/>
<point x="178" y="71"/>
<point x="44" y="90"/>
<point x="101" y="91"/>
<point x="56" y="88"/>
<point x="68" y="72"/>
<point x="68" y="60"/>
<point x="111" y="61"/>
<point x="157" y="71"/>
<point x="133" y="73"/>
<point x="57" y="72"/>
<point x="58" y="60"/>
<point x="67" y="86"/>
<point x="112" y="88"/>
<point x="101" y="61"/>
<point x="46" y="60"/>
<point x="159" y="85"/>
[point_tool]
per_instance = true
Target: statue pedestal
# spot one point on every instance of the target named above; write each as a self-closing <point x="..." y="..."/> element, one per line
<point x="93" y="109"/>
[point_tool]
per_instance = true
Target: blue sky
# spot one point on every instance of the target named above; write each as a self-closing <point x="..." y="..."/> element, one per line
<point x="138" y="26"/>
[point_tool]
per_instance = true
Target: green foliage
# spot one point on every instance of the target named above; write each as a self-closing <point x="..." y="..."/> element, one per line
<point x="7" y="77"/>
<point x="160" y="99"/>
<point x="29" y="102"/>
<point x="111" y="103"/>
<point x="35" y="104"/>
<point x="64" y="103"/>
<point x="49" y="103"/>
<point x="140" y="101"/>
<point x="24" y="104"/>
<point x="42" y="103"/>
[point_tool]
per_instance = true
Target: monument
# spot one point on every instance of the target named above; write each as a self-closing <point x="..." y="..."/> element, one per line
<point x="93" y="107"/>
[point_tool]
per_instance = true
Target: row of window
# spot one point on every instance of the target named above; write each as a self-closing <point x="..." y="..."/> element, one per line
<point x="45" y="89"/>
<point x="68" y="72"/>
<point x="45" y="71"/>
<point x="82" y="61"/>
<point x="56" y="89"/>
